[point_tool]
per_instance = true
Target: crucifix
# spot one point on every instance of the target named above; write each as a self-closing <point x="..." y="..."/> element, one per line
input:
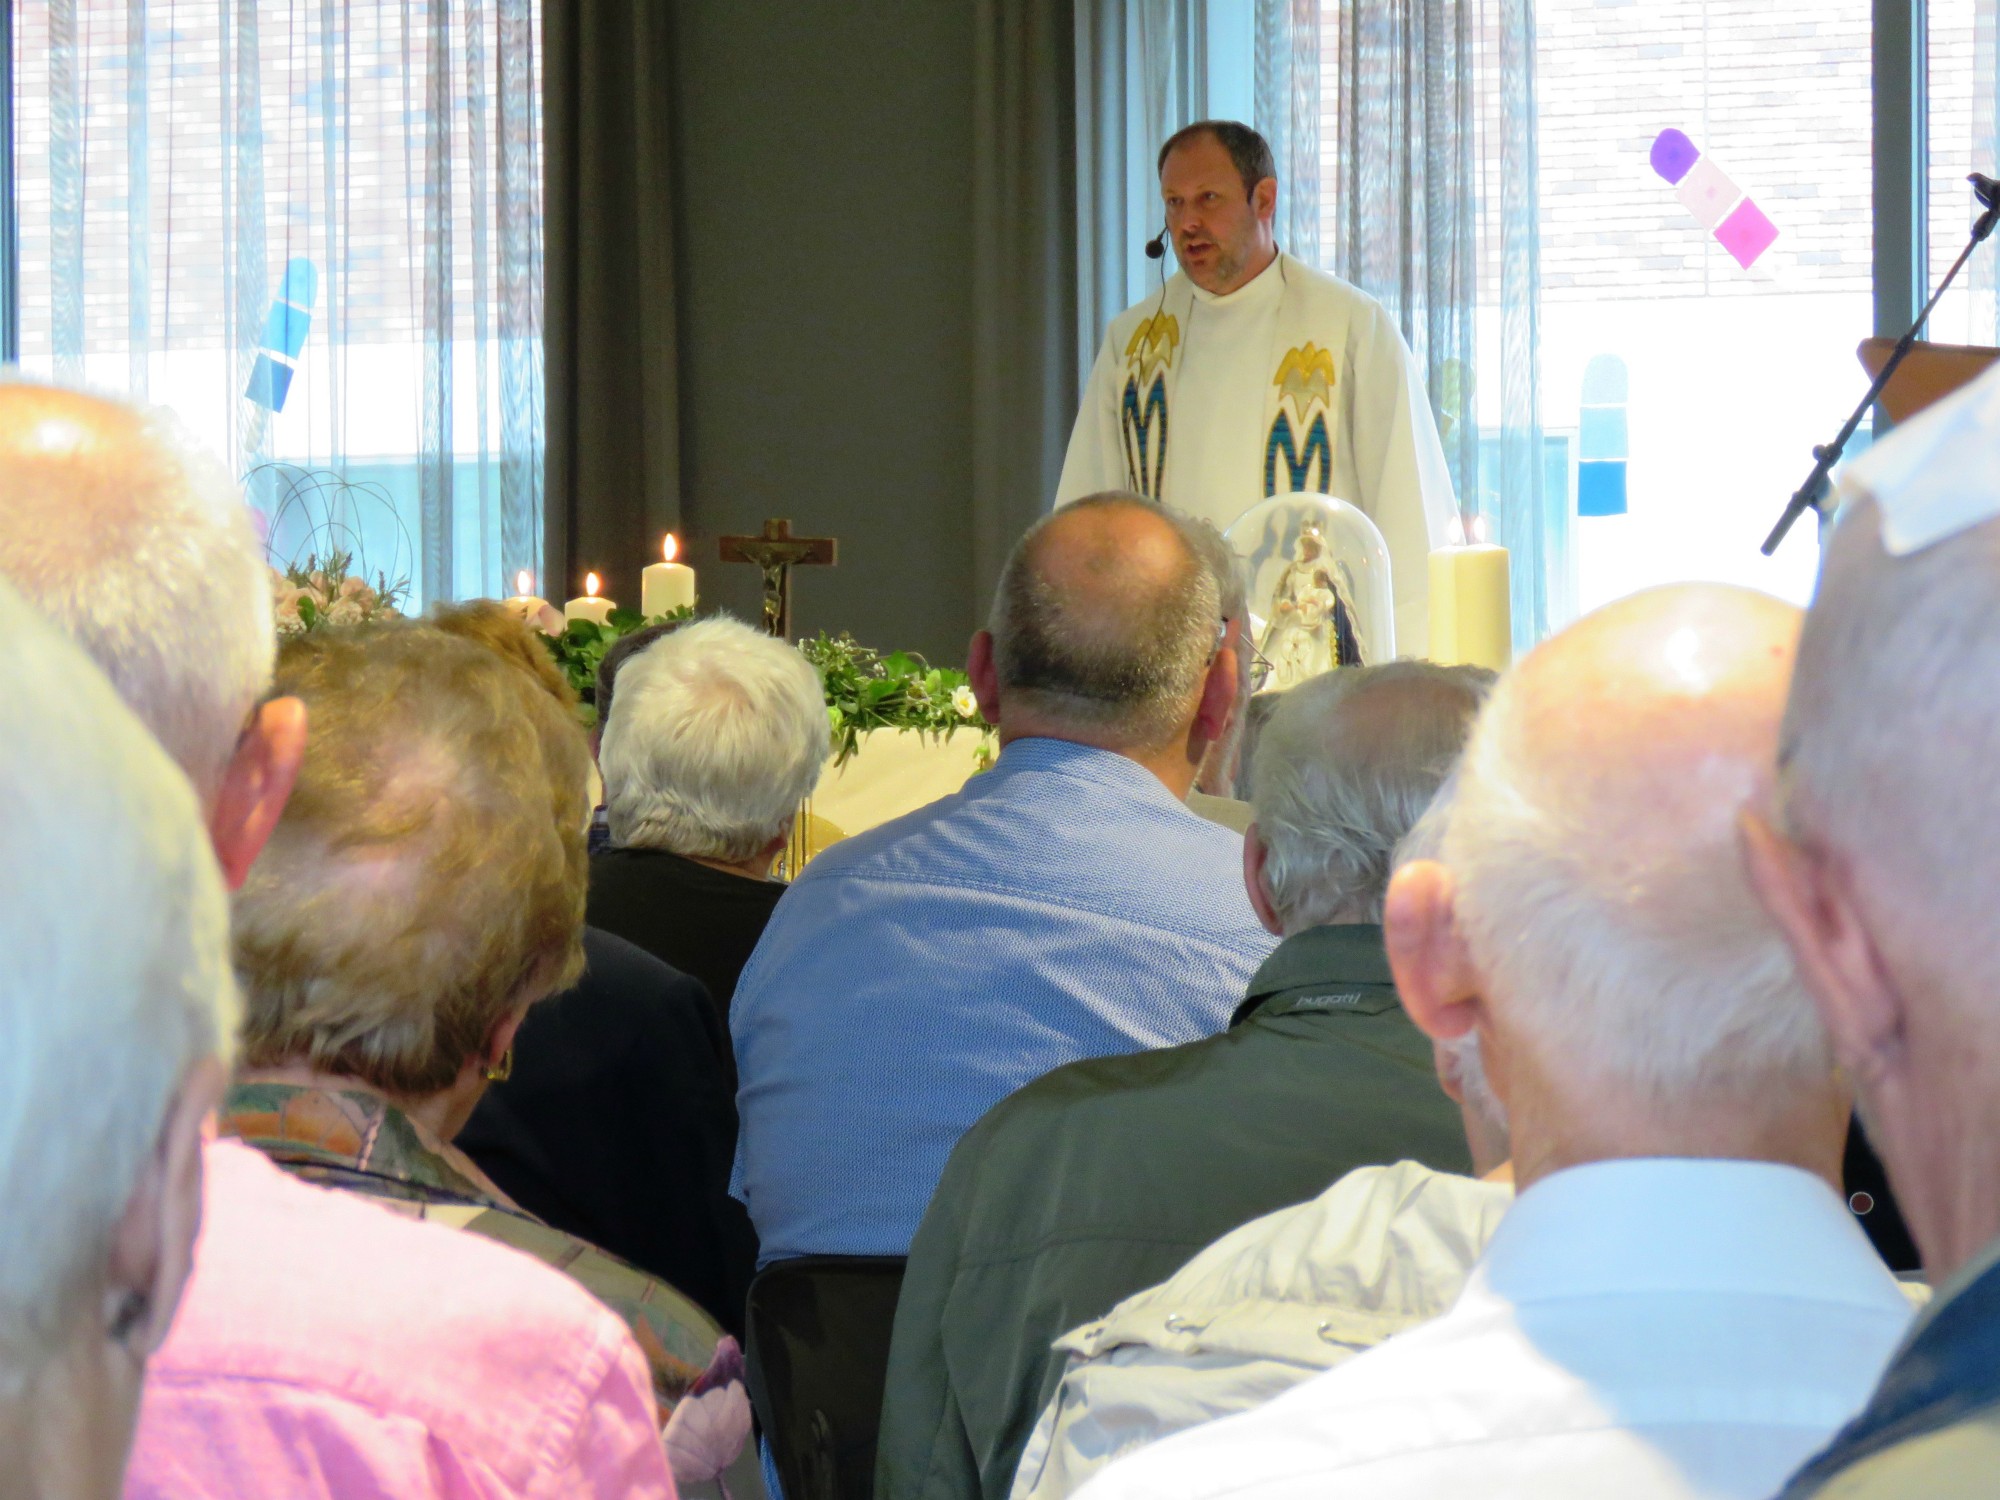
<point x="777" y="552"/>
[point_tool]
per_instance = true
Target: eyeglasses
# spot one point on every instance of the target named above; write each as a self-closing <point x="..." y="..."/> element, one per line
<point x="1260" y="664"/>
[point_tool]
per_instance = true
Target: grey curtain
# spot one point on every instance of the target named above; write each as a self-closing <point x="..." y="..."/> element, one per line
<point x="614" y="455"/>
<point x="1025" y="378"/>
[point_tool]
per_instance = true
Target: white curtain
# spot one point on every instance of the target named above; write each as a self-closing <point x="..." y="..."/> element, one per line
<point x="314" y="228"/>
<point x="1404" y="134"/>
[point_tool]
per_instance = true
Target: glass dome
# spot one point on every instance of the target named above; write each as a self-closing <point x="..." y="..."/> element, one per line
<point x="1319" y="587"/>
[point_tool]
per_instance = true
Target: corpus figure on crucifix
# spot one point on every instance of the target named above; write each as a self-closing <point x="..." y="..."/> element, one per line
<point x="777" y="552"/>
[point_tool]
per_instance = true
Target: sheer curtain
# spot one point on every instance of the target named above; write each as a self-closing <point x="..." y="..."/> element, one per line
<point x="314" y="228"/>
<point x="1408" y="131"/>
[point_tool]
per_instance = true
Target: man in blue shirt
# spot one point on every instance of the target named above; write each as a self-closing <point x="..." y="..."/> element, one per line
<point x="1066" y="904"/>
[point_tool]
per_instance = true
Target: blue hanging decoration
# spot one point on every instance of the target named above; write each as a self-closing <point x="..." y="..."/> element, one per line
<point x="284" y="336"/>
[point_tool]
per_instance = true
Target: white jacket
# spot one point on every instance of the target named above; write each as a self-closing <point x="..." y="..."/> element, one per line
<point x="1262" y="1309"/>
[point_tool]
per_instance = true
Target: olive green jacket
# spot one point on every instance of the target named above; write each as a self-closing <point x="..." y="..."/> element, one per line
<point x="1104" y="1177"/>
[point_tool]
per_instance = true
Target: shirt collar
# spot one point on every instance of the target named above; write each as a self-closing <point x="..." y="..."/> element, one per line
<point x="1266" y="285"/>
<point x="1337" y="955"/>
<point x="1670" y="1224"/>
<point x="1106" y="769"/>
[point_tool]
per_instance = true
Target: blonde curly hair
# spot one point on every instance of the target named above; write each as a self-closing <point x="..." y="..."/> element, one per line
<point x="428" y="874"/>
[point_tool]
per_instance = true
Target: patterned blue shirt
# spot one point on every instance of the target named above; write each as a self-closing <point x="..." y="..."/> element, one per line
<point x="1063" y="905"/>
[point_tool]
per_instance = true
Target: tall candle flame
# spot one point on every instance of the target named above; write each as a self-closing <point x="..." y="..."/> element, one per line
<point x="670" y="549"/>
<point x="524" y="583"/>
<point x="590" y="584"/>
<point x="1479" y="530"/>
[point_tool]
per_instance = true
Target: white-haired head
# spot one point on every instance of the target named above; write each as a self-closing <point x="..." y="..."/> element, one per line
<point x="1592" y="843"/>
<point x="1343" y="768"/>
<point x="1458" y="1056"/>
<point x="721" y="731"/>
<point x="1890" y="742"/>
<point x="115" y="981"/>
<point x="121" y="529"/>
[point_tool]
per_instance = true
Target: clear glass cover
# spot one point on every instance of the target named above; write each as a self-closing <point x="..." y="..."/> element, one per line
<point x="1319" y="587"/>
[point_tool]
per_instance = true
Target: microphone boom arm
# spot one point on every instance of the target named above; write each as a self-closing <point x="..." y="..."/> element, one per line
<point x="1809" y="494"/>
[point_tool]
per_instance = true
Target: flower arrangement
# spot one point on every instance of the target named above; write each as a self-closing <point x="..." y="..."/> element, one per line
<point x="307" y="595"/>
<point x="580" y="649"/>
<point x="865" y="690"/>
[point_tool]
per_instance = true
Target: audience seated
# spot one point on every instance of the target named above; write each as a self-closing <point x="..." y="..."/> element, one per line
<point x="1284" y="1297"/>
<point x="1105" y="1175"/>
<point x="720" y="734"/>
<point x="321" y="1346"/>
<point x="1065" y="904"/>
<point x="423" y="889"/>
<point x="618" y="1122"/>
<point x="1677" y="1303"/>
<point x="115" y="1001"/>
<point x="616" y="655"/>
<point x="1888" y="829"/>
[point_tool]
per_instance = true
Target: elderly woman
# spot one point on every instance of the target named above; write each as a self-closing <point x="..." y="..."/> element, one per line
<point x="423" y="889"/>
<point x="720" y="732"/>
<point x="115" y="998"/>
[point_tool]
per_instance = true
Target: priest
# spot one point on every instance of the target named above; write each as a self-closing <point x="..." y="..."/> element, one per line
<point x="1251" y="374"/>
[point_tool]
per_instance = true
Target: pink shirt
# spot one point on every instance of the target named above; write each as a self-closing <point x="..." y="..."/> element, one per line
<point x="329" y="1347"/>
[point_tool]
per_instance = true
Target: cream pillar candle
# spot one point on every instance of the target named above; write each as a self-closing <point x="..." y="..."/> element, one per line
<point x="666" y="586"/>
<point x="589" y="607"/>
<point x="1472" y="616"/>
<point x="530" y="608"/>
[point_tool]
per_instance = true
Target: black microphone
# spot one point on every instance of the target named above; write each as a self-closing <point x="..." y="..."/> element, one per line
<point x="1157" y="245"/>
<point x="1985" y="189"/>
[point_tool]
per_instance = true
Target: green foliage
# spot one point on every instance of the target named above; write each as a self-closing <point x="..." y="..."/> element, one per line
<point x="867" y="691"/>
<point x="580" y="649"/>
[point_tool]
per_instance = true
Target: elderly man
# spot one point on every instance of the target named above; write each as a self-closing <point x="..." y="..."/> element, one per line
<point x="310" y="1324"/>
<point x="1104" y="1176"/>
<point x="1678" y="1304"/>
<point x="1284" y="1297"/>
<point x="1066" y="904"/>
<point x="1889" y="827"/>
<point x="720" y="733"/>
<point x="115" y="1001"/>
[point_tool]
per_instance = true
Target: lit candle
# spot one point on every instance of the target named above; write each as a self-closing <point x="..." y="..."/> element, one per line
<point x="666" y="586"/>
<point x="1471" y="609"/>
<point x="526" y="607"/>
<point x="589" y="607"/>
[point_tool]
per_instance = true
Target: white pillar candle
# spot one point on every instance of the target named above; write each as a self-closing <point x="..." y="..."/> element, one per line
<point x="666" y="586"/>
<point x="1471" y="608"/>
<point x="589" y="607"/>
<point x="529" y="608"/>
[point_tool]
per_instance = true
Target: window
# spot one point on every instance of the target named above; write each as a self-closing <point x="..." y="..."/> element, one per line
<point x="316" y="235"/>
<point x="1732" y="371"/>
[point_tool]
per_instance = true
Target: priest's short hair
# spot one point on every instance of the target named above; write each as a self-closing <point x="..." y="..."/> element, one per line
<point x="116" y="979"/>
<point x="1248" y="151"/>
<point x="1094" y="642"/>
<point x="428" y="874"/>
<point x="1345" y="766"/>
<point x="721" y="732"/>
<point x="118" y="526"/>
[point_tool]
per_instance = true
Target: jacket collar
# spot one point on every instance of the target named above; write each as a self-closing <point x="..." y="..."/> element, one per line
<point x="1944" y="1372"/>
<point x="1340" y="967"/>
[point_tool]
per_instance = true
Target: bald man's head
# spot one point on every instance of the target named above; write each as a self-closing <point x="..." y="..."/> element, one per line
<point x="1593" y="844"/>
<point x="120" y="529"/>
<point x="1106" y="618"/>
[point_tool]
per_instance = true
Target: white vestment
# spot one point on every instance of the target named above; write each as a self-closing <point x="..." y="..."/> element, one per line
<point x="1296" y="381"/>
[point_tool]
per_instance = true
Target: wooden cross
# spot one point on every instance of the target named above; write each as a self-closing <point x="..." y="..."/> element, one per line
<point x="777" y="552"/>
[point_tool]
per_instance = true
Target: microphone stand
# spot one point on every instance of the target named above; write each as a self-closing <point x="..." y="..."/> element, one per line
<point x="1809" y="494"/>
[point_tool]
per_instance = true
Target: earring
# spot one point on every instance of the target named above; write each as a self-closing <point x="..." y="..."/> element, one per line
<point x="503" y="1070"/>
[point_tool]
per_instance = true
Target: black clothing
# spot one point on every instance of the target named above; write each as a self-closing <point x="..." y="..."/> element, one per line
<point x="619" y="1125"/>
<point x="702" y="921"/>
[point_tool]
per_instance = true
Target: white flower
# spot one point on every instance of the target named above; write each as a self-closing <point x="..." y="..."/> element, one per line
<point x="965" y="702"/>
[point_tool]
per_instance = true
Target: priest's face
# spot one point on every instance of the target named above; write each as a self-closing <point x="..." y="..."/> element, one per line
<point x="1221" y="231"/>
